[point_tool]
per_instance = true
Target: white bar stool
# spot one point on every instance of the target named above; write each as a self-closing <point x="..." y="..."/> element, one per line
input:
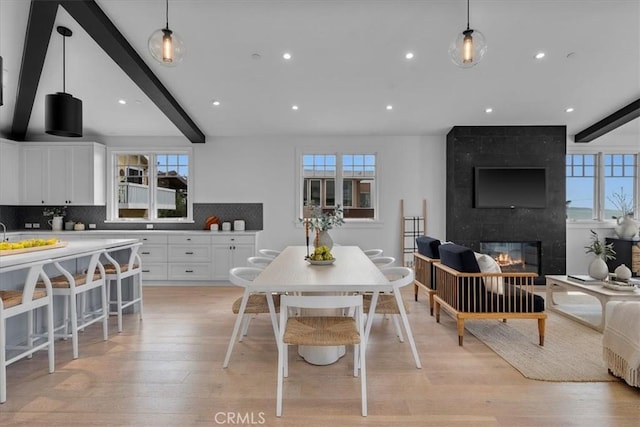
<point x="70" y="287"/>
<point x="17" y="302"/>
<point x="115" y="271"/>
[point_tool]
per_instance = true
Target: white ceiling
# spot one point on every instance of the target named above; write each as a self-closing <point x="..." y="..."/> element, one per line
<point x="348" y="64"/>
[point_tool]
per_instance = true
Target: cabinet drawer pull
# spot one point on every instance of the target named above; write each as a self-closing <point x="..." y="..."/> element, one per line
<point x="188" y="253"/>
<point x="145" y="253"/>
<point x="146" y="271"/>
<point x="188" y="271"/>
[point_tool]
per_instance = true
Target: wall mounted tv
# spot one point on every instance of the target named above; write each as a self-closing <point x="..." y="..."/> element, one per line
<point x="510" y="187"/>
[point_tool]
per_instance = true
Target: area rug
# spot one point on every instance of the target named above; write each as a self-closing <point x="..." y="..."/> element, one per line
<point x="571" y="353"/>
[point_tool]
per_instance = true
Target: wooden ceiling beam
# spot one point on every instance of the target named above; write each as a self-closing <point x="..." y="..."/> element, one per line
<point x="94" y="21"/>
<point x="42" y="16"/>
<point x="609" y="123"/>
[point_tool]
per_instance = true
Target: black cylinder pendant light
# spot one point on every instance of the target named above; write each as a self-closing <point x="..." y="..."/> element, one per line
<point x="63" y="112"/>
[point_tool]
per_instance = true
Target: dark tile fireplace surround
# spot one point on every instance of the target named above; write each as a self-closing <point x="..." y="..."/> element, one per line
<point x="508" y="146"/>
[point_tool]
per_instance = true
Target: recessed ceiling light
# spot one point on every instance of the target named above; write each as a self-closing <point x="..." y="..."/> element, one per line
<point x="569" y="110"/>
<point x="409" y="55"/>
<point x="488" y="110"/>
<point x="294" y="107"/>
<point x="122" y="101"/>
<point x="215" y="103"/>
<point x="389" y="107"/>
<point x="540" y="55"/>
<point x="286" y="55"/>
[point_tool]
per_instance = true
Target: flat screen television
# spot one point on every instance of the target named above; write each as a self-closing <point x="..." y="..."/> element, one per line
<point x="510" y="187"/>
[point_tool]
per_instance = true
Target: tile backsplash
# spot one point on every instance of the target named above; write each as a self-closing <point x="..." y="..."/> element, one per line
<point x="15" y="217"/>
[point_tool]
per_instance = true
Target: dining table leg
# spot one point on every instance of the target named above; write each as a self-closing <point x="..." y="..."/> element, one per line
<point x="370" y="315"/>
<point x="273" y="315"/>
<point x="407" y="327"/>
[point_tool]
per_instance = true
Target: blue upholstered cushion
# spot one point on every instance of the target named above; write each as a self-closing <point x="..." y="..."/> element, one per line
<point x="459" y="258"/>
<point x="428" y="246"/>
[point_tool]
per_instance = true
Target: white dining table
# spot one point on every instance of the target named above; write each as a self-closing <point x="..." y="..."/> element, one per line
<point x="352" y="271"/>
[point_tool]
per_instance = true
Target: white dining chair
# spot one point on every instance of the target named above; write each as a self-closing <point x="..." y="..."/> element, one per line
<point x="393" y="305"/>
<point x="322" y="331"/>
<point x="259" y="261"/>
<point x="383" y="261"/>
<point x="248" y="305"/>
<point x="271" y="253"/>
<point x="372" y="253"/>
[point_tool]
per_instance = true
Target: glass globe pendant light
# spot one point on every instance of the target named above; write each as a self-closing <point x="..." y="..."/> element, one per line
<point x="165" y="45"/>
<point x="469" y="46"/>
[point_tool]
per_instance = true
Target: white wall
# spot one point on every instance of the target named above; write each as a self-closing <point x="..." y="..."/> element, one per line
<point x="263" y="170"/>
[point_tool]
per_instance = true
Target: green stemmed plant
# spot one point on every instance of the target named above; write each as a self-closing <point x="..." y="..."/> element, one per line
<point x="603" y="250"/>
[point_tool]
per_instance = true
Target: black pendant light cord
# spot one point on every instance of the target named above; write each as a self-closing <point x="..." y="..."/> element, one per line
<point x="64" y="66"/>
<point x="467" y="14"/>
<point x="167" y="14"/>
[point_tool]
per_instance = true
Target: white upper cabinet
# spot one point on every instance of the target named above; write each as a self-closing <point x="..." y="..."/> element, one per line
<point x="9" y="172"/>
<point x="63" y="173"/>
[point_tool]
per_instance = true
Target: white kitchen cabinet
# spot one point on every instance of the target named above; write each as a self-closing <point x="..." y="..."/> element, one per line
<point x="9" y="172"/>
<point x="154" y="256"/>
<point x="63" y="174"/>
<point x="189" y="257"/>
<point x="231" y="251"/>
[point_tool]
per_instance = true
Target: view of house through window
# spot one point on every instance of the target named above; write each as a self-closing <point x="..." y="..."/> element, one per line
<point x="347" y="180"/>
<point x="151" y="185"/>
<point x="601" y="186"/>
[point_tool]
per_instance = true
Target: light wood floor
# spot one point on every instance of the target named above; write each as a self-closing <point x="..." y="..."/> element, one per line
<point x="167" y="371"/>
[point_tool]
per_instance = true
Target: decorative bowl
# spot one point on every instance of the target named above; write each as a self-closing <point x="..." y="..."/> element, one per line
<point x="324" y="262"/>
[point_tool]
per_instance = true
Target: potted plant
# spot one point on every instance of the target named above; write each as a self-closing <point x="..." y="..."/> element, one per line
<point x="604" y="252"/>
<point x="626" y="227"/>
<point x="321" y="222"/>
<point x="56" y="213"/>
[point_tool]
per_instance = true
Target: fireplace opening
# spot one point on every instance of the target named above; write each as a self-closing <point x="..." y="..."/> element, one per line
<point x="519" y="257"/>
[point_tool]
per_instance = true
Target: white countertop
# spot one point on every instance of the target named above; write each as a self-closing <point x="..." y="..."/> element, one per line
<point x="60" y="234"/>
<point x="74" y="247"/>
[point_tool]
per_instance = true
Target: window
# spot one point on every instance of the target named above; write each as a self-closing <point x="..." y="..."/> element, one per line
<point x="601" y="185"/>
<point x="581" y="174"/>
<point x="619" y="179"/>
<point x="150" y="186"/>
<point x="323" y="175"/>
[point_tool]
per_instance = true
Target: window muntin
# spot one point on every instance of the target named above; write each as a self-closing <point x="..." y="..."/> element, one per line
<point x="151" y="186"/>
<point x="353" y="174"/>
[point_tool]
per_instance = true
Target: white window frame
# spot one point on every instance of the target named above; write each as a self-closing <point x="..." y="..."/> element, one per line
<point x="299" y="179"/>
<point x="599" y="179"/>
<point x="112" y="189"/>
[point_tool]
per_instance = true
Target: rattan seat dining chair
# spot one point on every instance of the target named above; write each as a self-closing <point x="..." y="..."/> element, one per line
<point x="322" y="331"/>
<point x="259" y="261"/>
<point x="388" y="304"/>
<point x="254" y="303"/>
<point x="383" y="261"/>
<point x="373" y="253"/>
<point x="270" y="253"/>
